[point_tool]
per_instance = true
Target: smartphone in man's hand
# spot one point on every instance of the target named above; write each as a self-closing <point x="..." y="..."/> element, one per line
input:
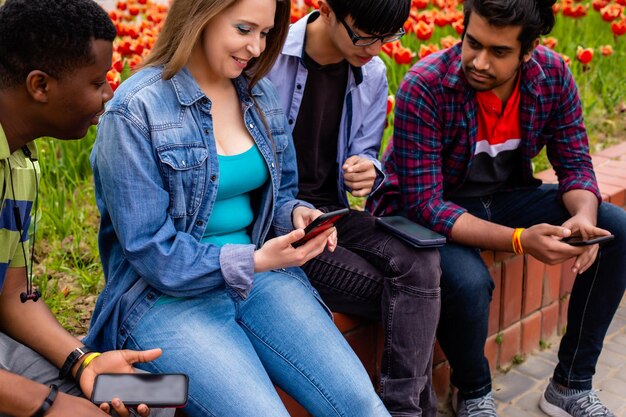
<point x="153" y="390"/>
<point x="578" y="240"/>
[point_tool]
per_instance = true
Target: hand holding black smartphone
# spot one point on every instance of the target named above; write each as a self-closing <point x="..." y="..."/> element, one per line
<point x="578" y="240"/>
<point x="322" y="223"/>
<point x="153" y="390"/>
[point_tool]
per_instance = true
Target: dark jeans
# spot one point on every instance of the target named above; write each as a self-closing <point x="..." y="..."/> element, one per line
<point x="373" y="274"/>
<point x="466" y="287"/>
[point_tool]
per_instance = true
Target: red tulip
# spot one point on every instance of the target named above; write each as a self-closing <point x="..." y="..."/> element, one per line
<point x="611" y="12"/>
<point x="619" y="26"/>
<point x="419" y="4"/>
<point x="458" y="26"/>
<point x="390" y="48"/>
<point x="427" y="50"/>
<point x="403" y="56"/>
<point x="390" y="102"/>
<point x="574" y="11"/>
<point x="599" y="4"/>
<point x="448" y="41"/>
<point x="584" y="55"/>
<point x="606" y="50"/>
<point x="424" y="31"/>
<point x="550" y="42"/>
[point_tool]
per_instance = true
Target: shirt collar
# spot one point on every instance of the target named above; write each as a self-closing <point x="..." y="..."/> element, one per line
<point x="188" y="91"/>
<point x="296" y="40"/>
<point x="5" y="152"/>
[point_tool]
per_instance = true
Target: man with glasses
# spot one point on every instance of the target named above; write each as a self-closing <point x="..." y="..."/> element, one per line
<point x="333" y="88"/>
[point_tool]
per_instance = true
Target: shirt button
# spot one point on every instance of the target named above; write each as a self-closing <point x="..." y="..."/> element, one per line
<point x="199" y="223"/>
<point x="299" y="86"/>
<point x="272" y="165"/>
<point x="123" y="332"/>
<point x="251" y="126"/>
<point x="206" y="131"/>
<point x="213" y="177"/>
<point x="290" y="121"/>
<point x="150" y="296"/>
<point x="183" y="163"/>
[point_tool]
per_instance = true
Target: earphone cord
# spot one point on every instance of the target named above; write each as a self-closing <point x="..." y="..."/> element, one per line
<point x="19" y="224"/>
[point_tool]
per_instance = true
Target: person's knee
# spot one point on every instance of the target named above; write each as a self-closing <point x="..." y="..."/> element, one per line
<point x="362" y="403"/>
<point x="613" y="219"/>
<point x="418" y="268"/>
<point x="468" y="292"/>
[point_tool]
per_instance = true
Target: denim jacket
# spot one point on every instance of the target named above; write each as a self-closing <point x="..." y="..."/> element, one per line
<point x="364" y="109"/>
<point x="156" y="177"/>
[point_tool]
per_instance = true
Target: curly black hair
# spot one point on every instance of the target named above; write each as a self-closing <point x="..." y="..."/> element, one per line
<point x="53" y="36"/>
<point x="534" y="16"/>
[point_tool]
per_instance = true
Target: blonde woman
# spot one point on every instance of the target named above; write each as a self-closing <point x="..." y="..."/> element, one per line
<point x="195" y="174"/>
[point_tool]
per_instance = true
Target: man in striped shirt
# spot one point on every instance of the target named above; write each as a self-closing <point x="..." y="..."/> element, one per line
<point x="54" y="56"/>
<point x="468" y="122"/>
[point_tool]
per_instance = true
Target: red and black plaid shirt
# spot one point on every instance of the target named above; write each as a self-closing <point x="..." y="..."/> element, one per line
<point x="435" y="131"/>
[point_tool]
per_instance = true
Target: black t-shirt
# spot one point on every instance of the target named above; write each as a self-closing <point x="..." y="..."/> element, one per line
<point x="316" y="131"/>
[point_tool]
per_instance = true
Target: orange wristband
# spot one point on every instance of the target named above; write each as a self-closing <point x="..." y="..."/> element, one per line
<point x="517" y="241"/>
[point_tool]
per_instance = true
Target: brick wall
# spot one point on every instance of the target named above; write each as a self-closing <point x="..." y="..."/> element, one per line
<point x="529" y="302"/>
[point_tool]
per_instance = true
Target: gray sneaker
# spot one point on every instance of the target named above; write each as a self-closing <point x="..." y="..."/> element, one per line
<point x="578" y="404"/>
<point x="478" y="407"/>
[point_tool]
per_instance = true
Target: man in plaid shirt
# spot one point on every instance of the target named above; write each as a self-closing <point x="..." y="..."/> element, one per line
<point x="468" y="122"/>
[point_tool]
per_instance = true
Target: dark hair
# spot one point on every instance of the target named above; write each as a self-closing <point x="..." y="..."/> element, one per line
<point x="53" y="36"/>
<point x="534" y="16"/>
<point x="373" y="16"/>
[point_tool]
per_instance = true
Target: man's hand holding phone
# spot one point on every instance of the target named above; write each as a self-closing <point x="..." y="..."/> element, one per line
<point x="116" y="361"/>
<point x="582" y="225"/>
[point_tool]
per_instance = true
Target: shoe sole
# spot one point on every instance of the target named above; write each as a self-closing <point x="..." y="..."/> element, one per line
<point x="551" y="409"/>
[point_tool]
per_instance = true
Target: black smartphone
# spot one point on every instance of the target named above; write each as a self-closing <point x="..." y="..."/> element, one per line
<point x="317" y="226"/>
<point x="578" y="240"/>
<point x="411" y="232"/>
<point x="154" y="390"/>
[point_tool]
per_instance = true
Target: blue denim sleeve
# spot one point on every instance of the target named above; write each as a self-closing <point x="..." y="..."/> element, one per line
<point x="133" y="195"/>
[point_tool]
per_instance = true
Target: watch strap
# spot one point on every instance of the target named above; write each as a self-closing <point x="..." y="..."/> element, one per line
<point x="71" y="360"/>
<point x="47" y="403"/>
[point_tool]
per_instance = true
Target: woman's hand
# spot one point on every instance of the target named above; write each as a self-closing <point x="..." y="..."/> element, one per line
<point x="303" y="216"/>
<point x="278" y="252"/>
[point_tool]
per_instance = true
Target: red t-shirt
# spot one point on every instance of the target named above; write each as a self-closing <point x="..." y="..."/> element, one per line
<point x="496" y="158"/>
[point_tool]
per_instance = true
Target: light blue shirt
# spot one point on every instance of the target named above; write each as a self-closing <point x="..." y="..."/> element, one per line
<point x="365" y="105"/>
<point x="156" y="175"/>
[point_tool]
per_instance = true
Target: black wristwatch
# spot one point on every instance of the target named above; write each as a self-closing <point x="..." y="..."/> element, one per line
<point x="47" y="403"/>
<point x="71" y="360"/>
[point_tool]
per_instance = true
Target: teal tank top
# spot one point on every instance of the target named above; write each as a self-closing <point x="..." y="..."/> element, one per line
<point x="232" y="213"/>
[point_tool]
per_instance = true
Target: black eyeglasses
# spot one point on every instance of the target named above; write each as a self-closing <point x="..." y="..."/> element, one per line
<point x="370" y="40"/>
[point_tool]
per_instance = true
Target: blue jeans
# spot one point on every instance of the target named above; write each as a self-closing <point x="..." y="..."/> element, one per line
<point x="466" y="288"/>
<point x="374" y="275"/>
<point x="233" y="349"/>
